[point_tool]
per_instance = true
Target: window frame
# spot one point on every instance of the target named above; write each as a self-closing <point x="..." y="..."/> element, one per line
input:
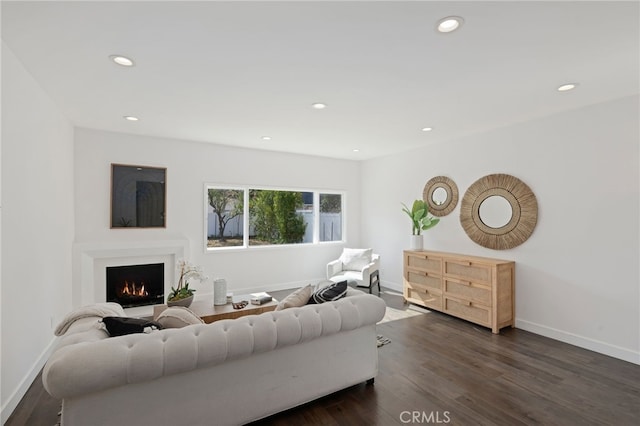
<point x="246" y="216"/>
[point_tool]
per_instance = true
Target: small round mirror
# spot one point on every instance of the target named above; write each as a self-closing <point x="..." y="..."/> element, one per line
<point x="439" y="196"/>
<point x="495" y="211"/>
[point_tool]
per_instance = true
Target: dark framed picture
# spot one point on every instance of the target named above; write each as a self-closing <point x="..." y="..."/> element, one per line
<point x="138" y="196"/>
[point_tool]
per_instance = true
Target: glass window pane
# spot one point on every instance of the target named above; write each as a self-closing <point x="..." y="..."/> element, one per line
<point x="278" y="217"/>
<point x="330" y="217"/>
<point x="225" y="219"/>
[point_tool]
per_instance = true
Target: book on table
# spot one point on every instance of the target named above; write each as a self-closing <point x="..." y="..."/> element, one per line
<point x="260" y="298"/>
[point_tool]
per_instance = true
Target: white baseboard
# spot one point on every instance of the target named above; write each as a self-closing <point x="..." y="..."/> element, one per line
<point x="21" y="390"/>
<point x="392" y="286"/>
<point x="580" y="341"/>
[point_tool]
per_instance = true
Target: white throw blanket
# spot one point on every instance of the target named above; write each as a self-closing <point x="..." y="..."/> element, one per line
<point x="100" y="310"/>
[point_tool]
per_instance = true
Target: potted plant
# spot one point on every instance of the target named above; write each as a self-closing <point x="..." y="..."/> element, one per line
<point x="421" y="220"/>
<point x="182" y="295"/>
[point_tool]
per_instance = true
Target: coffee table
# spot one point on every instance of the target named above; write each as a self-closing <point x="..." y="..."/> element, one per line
<point x="210" y="313"/>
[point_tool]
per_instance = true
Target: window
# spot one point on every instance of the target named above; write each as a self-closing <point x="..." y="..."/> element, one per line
<point x="248" y="217"/>
<point x="225" y="213"/>
<point x="330" y="217"/>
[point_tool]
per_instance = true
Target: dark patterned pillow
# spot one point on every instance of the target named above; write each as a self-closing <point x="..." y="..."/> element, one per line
<point x="329" y="293"/>
<point x="119" y="326"/>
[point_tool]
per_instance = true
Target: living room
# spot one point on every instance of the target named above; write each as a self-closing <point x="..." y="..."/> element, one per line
<point x="577" y="276"/>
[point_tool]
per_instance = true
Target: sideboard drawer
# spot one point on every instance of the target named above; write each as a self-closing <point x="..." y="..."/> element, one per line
<point x="468" y="291"/>
<point x="424" y="262"/>
<point x="472" y="271"/>
<point x="468" y="310"/>
<point x="425" y="279"/>
<point x="423" y="296"/>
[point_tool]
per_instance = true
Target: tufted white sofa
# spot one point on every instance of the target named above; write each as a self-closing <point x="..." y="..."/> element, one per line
<point x="224" y="373"/>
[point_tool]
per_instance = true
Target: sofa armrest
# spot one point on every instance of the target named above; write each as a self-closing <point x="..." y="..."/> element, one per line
<point x="333" y="268"/>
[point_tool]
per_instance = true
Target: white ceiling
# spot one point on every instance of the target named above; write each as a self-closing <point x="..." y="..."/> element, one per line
<point x="232" y="72"/>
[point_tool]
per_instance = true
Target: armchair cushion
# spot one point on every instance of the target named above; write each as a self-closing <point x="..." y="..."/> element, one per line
<point x="355" y="259"/>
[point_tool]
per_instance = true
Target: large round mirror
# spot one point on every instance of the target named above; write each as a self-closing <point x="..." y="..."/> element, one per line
<point x="441" y="195"/>
<point x="499" y="211"/>
<point x="495" y="211"/>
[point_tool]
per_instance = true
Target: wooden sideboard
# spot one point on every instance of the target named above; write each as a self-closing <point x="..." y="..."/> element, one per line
<point x="477" y="289"/>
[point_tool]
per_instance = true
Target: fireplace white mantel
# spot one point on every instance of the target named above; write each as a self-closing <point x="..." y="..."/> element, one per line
<point x="90" y="261"/>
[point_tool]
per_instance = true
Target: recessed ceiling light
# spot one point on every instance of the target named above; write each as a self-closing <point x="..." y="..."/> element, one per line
<point x="130" y="118"/>
<point x="567" y="87"/>
<point x="356" y="150"/>
<point x="449" y="24"/>
<point x="266" y="138"/>
<point x="427" y="129"/>
<point x="319" y="105"/>
<point x="122" y="60"/>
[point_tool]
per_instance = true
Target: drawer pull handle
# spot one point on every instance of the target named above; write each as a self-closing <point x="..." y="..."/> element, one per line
<point x="467" y="283"/>
<point x="465" y="302"/>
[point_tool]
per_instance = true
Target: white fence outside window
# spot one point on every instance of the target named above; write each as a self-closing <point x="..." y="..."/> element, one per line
<point x="330" y="226"/>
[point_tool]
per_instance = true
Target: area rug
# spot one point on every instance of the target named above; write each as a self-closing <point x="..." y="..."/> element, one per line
<point x="382" y="340"/>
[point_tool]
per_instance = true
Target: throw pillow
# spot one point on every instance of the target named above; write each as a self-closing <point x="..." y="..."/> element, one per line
<point x="329" y="293"/>
<point x="178" y="317"/>
<point x="119" y="326"/>
<point x="300" y="297"/>
<point x="355" y="259"/>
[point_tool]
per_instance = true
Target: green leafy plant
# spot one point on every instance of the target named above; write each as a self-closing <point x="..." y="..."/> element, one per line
<point x="180" y="293"/>
<point x="420" y="217"/>
<point x="187" y="271"/>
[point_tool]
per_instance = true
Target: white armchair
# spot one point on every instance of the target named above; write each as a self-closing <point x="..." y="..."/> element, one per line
<point x="357" y="266"/>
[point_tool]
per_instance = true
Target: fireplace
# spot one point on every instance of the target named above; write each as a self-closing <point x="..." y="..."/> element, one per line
<point x="135" y="285"/>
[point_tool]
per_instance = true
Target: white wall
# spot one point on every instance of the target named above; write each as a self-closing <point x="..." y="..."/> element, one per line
<point x="37" y="226"/>
<point x="577" y="277"/>
<point x="191" y="165"/>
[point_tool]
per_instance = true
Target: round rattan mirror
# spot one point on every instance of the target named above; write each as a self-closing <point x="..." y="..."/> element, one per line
<point x="441" y="194"/>
<point x="499" y="211"/>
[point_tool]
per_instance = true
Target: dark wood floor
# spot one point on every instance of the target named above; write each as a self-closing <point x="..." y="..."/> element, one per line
<point x="442" y="370"/>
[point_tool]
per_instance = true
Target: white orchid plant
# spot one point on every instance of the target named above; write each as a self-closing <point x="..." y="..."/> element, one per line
<point x="187" y="272"/>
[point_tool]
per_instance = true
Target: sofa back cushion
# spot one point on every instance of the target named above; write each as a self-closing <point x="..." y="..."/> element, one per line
<point x="329" y="293"/>
<point x="120" y="326"/>
<point x="298" y="298"/>
<point x="178" y="317"/>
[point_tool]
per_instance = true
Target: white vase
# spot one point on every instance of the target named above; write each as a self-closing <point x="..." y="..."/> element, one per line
<point x="416" y="242"/>
<point x="220" y="291"/>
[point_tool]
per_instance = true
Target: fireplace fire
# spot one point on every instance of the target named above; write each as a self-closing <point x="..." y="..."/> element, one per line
<point x="132" y="290"/>
<point x="136" y="285"/>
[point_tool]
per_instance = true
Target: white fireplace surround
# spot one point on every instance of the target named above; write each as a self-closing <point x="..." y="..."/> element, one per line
<point x="92" y="259"/>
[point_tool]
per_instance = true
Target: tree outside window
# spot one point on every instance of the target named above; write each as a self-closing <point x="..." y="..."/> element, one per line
<point x="227" y="208"/>
<point x="275" y="217"/>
